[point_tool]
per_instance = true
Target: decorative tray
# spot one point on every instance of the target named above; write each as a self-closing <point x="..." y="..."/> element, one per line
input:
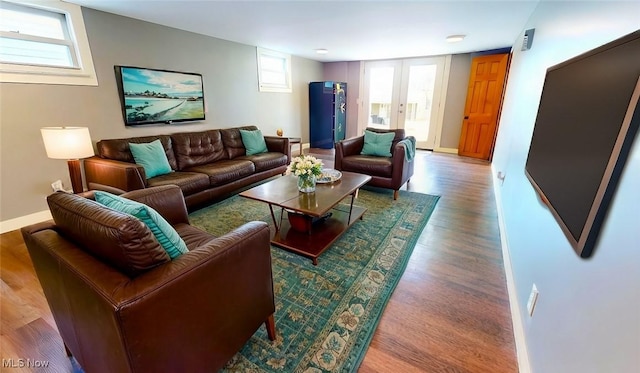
<point x="329" y="175"/>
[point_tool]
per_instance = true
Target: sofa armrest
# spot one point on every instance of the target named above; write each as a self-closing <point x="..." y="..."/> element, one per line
<point x="105" y="188"/>
<point x="279" y="145"/>
<point x="398" y="155"/>
<point x="218" y="295"/>
<point x="115" y="174"/>
<point x="402" y="168"/>
<point x="347" y="147"/>
<point x="246" y="246"/>
<point x="167" y="200"/>
<point x="37" y="227"/>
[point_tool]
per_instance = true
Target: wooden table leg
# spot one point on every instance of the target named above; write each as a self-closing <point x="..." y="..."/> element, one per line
<point x="353" y="196"/>
<point x="273" y="217"/>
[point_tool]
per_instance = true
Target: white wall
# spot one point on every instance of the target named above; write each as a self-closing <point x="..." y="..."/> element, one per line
<point x="455" y="100"/>
<point x="587" y="318"/>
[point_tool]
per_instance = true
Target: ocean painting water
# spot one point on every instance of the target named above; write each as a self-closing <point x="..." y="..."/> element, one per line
<point x="155" y="96"/>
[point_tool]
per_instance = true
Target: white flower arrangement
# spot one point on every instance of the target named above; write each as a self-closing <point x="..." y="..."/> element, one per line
<point x="305" y="165"/>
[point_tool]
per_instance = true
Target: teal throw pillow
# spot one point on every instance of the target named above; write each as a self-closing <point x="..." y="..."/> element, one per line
<point x="253" y="141"/>
<point x="378" y="144"/>
<point x="168" y="238"/>
<point x="152" y="157"/>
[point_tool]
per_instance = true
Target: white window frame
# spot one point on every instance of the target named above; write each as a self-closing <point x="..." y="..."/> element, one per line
<point x="84" y="74"/>
<point x="268" y="87"/>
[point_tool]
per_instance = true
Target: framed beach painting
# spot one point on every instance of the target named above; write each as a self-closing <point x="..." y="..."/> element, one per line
<point x="151" y="96"/>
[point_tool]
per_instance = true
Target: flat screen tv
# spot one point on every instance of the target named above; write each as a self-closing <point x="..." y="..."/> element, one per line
<point x="150" y="96"/>
<point x="586" y="123"/>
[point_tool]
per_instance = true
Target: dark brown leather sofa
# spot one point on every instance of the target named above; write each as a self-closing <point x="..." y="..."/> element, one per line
<point x="386" y="172"/>
<point x="207" y="165"/>
<point x="121" y="305"/>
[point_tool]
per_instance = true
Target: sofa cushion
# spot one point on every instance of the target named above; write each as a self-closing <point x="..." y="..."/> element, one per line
<point x="253" y="142"/>
<point x="151" y="157"/>
<point x="189" y="182"/>
<point x="161" y="229"/>
<point x="233" y="140"/>
<point x="226" y="171"/>
<point x="197" y="148"/>
<point x="116" y="238"/>
<point x="267" y="161"/>
<point x="399" y="134"/>
<point x="377" y="144"/>
<point x="368" y="165"/>
<point x="118" y="149"/>
<point x="193" y="237"/>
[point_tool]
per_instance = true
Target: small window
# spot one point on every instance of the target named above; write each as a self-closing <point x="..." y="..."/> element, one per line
<point x="274" y="71"/>
<point x="38" y="44"/>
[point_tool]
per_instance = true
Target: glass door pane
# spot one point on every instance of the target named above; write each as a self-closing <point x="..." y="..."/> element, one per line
<point x="420" y="92"/>
<point x="419" y="101"/>
<point x="380" y="96"/>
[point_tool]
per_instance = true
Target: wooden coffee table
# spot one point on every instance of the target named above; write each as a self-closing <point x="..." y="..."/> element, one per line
<point x="325" y="219"/>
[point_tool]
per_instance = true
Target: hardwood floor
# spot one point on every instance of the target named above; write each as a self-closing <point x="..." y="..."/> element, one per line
<point x="449" y="313"/>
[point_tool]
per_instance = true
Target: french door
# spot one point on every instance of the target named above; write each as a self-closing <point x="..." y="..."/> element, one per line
<point x="405" y="94"/>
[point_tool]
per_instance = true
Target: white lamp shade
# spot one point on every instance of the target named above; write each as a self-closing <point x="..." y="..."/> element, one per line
<point x="67" y="142"/>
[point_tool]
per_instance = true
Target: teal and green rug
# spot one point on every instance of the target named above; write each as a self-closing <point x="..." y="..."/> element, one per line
<point x="326" y="314"/>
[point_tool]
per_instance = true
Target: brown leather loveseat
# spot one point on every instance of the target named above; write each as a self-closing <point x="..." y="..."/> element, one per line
<point x="386" y="172"/>
<point x="206" y="165"/>
<point x="122" y="305"/>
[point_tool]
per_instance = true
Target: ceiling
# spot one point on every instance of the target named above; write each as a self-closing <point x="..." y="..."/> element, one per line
<point x="349" y="30"/>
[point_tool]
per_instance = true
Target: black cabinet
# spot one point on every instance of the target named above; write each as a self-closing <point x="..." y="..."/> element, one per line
<point x="327" y="113"/>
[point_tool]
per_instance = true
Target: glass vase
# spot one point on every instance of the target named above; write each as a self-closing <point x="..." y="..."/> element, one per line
<point x="307" y="183"/>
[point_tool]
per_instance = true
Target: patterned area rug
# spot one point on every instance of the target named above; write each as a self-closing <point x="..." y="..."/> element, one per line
<point x="326" y="314"/>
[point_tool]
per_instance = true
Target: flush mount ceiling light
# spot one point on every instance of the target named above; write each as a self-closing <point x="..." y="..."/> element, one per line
<point x="322" y="51"/>
<point x="455" y="38"/>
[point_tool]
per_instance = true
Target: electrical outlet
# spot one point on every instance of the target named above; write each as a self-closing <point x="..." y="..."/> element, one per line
<point x="57" y="185"/>
<point x="533" y="298"/>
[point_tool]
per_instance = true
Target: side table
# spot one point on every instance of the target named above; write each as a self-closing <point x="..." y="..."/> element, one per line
<point x="293" y="141"/>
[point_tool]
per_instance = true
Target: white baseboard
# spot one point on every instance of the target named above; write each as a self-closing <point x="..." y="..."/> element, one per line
<point x="17" y="223"/>
<point x="516" y="316"/>
<point x="446" y="150"/>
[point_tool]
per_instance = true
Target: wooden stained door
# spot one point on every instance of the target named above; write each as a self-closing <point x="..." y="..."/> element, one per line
<point x="484" y="98"/>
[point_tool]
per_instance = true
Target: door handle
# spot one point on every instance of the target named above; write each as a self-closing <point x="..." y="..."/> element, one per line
<point x="466" y="117"/>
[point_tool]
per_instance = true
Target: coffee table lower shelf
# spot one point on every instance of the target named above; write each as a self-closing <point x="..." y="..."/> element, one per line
<point x="322" y="235"/>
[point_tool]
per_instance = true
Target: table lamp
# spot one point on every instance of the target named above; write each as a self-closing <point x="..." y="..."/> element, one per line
<point x="70" y="143"/>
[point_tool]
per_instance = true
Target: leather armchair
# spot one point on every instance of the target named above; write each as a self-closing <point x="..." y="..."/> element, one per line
<point x="386" y="172"/>
<point x="189" y="314"/>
